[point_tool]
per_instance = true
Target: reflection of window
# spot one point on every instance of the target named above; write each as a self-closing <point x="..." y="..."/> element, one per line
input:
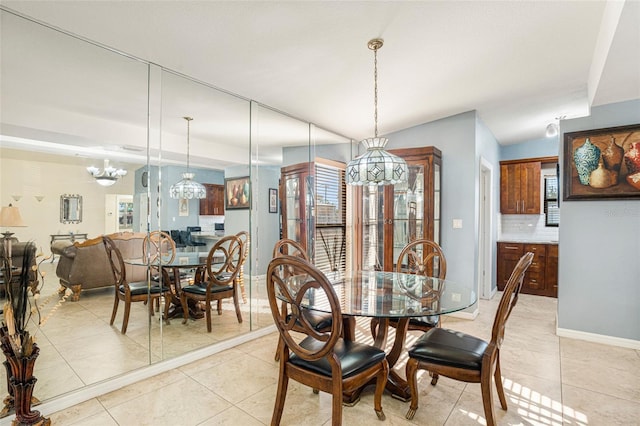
<point x="551" y="205"/>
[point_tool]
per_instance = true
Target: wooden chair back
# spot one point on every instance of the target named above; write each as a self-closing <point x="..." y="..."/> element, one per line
<point x="224" y="271"/>
<point x="245" y="240"/>
<point x="158" y="247"/>
<point x="509" y="298"/>
<point x="116" y="262"/>
<point x="422" y="257"/>
<point x="290" y="247"/>
<point x="291" y="280"/>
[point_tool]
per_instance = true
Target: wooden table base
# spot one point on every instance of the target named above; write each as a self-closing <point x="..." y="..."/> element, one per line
<point x="396" y="385"/>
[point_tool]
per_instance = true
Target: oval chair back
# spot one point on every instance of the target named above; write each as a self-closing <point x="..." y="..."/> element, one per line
<point x="322" y="360"/>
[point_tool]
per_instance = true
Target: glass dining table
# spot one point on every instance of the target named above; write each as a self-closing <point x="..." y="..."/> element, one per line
<point x="391" y="295"/>
<point x="181" y="261"/>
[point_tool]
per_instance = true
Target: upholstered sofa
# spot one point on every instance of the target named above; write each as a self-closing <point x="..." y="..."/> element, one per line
<point x="84" y="265"/>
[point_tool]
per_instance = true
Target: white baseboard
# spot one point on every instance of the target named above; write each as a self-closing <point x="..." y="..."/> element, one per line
<point x="598" y="338"/>
<point x="92" y="391"/>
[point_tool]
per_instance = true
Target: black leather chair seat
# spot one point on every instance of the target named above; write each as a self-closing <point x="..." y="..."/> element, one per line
<point x="141" y="288"/>
<point x="353" y="356"/>
<point x="318" y="320"/>
<point x="450" y="348"/>
<point x="201" y="288"/>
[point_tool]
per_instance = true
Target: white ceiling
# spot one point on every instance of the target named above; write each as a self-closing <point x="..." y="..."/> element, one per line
<point x="519" y="64"/>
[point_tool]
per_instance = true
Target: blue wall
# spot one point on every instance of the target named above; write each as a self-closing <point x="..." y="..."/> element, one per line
<point x="599" y="265"/>
<point x="456" y="137"/>
<point x="545" y="147"/>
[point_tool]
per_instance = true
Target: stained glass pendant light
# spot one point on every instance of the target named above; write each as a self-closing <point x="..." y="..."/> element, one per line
<point x="187" y="187"/>
<point x="376" y="166"/>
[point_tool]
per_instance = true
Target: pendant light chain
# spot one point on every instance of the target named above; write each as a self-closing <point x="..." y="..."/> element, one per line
<point x="188" y="138"/>
<point x="375" y="90"/>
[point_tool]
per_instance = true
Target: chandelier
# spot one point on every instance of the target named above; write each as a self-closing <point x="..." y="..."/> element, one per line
<point x="187" y="187"/>
<point x="108" y="175"/>
<point x="376" y="166"/>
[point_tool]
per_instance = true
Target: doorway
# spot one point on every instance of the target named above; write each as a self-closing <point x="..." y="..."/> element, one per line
<point x="485" y="231"/>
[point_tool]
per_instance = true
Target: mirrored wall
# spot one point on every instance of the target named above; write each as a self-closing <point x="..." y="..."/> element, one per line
<point x="68" y="104"/>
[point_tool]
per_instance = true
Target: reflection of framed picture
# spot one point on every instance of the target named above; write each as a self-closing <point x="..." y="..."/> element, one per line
<point x="183" y="207"/>
<point x="602" y="163"/>
<point x="237" y="193"/>
<point x="273" y="200"/>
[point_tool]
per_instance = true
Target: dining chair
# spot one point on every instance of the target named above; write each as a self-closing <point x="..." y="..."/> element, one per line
<point x="464" y="357"/>
<point x="420" y="257"/>
<point x="245" y="240"/>
<point x="322" y="360"/>
<point x="218" y="281"/>
<point x="129" y="292"/>
<point x="320" y="321"/>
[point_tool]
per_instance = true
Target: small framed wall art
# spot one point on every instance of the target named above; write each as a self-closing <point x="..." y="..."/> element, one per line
<point x="273" y="200"/>
<point x="237" y="193"/>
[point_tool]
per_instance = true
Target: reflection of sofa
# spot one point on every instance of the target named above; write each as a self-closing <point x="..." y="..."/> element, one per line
<point x="18" y="253"/>
<point x="84" y="265"/>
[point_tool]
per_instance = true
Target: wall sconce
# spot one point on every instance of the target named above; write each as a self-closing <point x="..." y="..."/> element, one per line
<point x="16" y="197"/>
<point x="39" y="197"/>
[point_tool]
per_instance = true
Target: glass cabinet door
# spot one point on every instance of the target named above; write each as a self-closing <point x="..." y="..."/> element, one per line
<point x="394" y="216"/>
<point x="293" y="208"/>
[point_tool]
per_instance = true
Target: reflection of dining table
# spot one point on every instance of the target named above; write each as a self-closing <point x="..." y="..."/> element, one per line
<point x="182" y="260"/>
<point x="386" y="295"/>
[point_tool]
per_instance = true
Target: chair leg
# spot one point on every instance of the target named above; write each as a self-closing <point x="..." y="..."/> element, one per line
<point x="219" y="307"/>
<point x="125" y="320"/>
<point x="487" y="396"/>
<point x="281" y="395"/>
<point x="279" y="348"/>
<point x="434" y="378"/>
<point x="374" y="327"/>
<point x="115" y="309"/>
<point x="498" y="378"/>
<point x="381" y="382"/>
<point x="237" y="304"/>
<point x="336" y="403"/>
<point x="411" y="372"/>
<point x="185" y="307"/>
<point x="208" y="315"/>
<point x="167" y="304"/>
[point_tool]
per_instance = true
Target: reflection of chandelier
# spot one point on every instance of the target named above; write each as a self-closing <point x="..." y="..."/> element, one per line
<point x="108" y="176"/>
<point x="376" y="166"/>
<point x="187" y="187"/>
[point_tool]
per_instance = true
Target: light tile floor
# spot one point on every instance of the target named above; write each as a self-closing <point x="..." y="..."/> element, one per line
<point x="548" y="381"/>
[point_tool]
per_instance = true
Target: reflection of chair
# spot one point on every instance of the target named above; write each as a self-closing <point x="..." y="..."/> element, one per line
<point x="220" y="279"/>
<point x="158" y="247"/>
<point x="128" y="292"/>
<point x="189" y="241"/>
<point x="175" y="236"/>
<point x="323" y="360"/>
<point x="320" y="321"/>
<point x="420" y="257"/>
<point x="463" y="357"/>
<point x="245" y="240"/>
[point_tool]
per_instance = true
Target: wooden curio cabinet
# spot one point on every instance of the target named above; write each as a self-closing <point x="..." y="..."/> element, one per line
<point x="313" y="200"/>
<point x="388" y="217"/>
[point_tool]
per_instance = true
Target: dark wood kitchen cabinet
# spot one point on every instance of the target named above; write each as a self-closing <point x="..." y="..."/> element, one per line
<point x="213" y="204"/>
<point x="520" y="187"/>
<point x="542" y="276"/>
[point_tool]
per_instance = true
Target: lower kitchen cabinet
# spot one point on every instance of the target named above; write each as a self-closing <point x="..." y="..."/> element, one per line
<point x="541" y="277"/>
